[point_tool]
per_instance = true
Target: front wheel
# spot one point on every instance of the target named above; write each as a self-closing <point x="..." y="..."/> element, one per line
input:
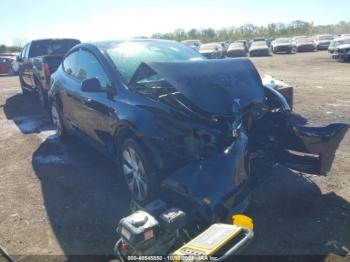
<point x="57" y="122"/>
<point x="137" y="170"/>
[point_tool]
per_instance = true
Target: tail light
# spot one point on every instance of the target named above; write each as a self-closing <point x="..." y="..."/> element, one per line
<point x="47" y="73"/>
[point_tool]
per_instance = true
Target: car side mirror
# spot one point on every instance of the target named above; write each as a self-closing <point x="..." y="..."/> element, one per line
<point x="91" y="85"/>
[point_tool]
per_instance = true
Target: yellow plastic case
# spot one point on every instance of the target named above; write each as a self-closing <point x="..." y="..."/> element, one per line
<point x="209" y="242"/>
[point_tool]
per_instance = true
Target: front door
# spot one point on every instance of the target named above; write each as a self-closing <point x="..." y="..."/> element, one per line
<point x="95" y="108"/>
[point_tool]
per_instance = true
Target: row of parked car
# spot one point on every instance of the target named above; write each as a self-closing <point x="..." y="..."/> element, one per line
<point x="264" y="47"/>
<point x="8" y="64"/>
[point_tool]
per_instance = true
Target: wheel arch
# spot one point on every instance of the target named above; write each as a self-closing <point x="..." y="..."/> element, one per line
<point x="36" y="79"/>
<point x="127" y="130"/>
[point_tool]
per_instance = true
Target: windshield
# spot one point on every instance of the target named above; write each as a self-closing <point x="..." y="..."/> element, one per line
<point x="128" y="56"/>
<point x="282" y="41"/>
<point x="51" y="47"/>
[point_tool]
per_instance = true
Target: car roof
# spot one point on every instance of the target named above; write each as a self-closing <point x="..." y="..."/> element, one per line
<point x="54" y="39"/>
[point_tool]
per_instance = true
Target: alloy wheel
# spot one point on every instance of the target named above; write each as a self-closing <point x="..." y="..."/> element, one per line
<point x="134" y="173"/>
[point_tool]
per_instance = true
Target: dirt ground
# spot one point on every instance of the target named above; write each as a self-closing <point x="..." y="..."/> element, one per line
<point x="62" y="199"/>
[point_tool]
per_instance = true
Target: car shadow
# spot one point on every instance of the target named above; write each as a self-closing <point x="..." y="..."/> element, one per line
<point x="84" y="200"/>
<point x="26" y="113"/>
<point x="84" y="195"/>
<point x="295" y="221"/>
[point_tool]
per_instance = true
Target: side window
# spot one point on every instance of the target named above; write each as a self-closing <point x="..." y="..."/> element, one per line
<point x="90" y="67"/>
<point x="70" y="64"/>
<point x="26" y="51"/>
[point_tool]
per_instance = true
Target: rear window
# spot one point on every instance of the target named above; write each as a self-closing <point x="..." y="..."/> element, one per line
<point x="51" y="47"/>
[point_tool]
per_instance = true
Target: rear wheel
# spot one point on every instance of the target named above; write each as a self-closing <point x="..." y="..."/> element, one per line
<point x="24" y="90"/>
<point x="137" y="170"/>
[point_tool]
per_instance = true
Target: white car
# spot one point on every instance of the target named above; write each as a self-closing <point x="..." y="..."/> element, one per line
<point x="323" y="41"/>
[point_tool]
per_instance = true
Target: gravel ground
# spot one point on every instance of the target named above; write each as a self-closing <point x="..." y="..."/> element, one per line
<point x="65" y="199"/>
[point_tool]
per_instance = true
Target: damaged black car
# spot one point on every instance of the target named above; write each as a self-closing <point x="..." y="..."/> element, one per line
<point x="205" y="131"/>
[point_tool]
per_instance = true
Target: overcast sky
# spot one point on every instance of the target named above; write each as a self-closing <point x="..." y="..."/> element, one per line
<point x="91" y="20"/>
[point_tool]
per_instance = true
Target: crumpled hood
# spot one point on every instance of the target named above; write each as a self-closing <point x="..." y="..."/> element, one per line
<point x="212" y="85"/>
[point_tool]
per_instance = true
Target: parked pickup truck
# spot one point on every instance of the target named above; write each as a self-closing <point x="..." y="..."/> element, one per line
<point x="38" y="60"/>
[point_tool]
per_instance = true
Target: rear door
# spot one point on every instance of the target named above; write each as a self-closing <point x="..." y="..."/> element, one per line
<point x="70" y="89"/>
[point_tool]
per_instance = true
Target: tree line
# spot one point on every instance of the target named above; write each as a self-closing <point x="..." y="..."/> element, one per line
<point x="250" y="31"/>
<point x="10" y="49"/>
<point x="246" y="31"/>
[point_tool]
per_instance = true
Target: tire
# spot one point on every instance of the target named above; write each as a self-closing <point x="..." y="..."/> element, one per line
<point x="57" y="122"/>
<point x="42" y="94"/>
<point x="24" y="91"/>
<point x="137" y="170"/>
